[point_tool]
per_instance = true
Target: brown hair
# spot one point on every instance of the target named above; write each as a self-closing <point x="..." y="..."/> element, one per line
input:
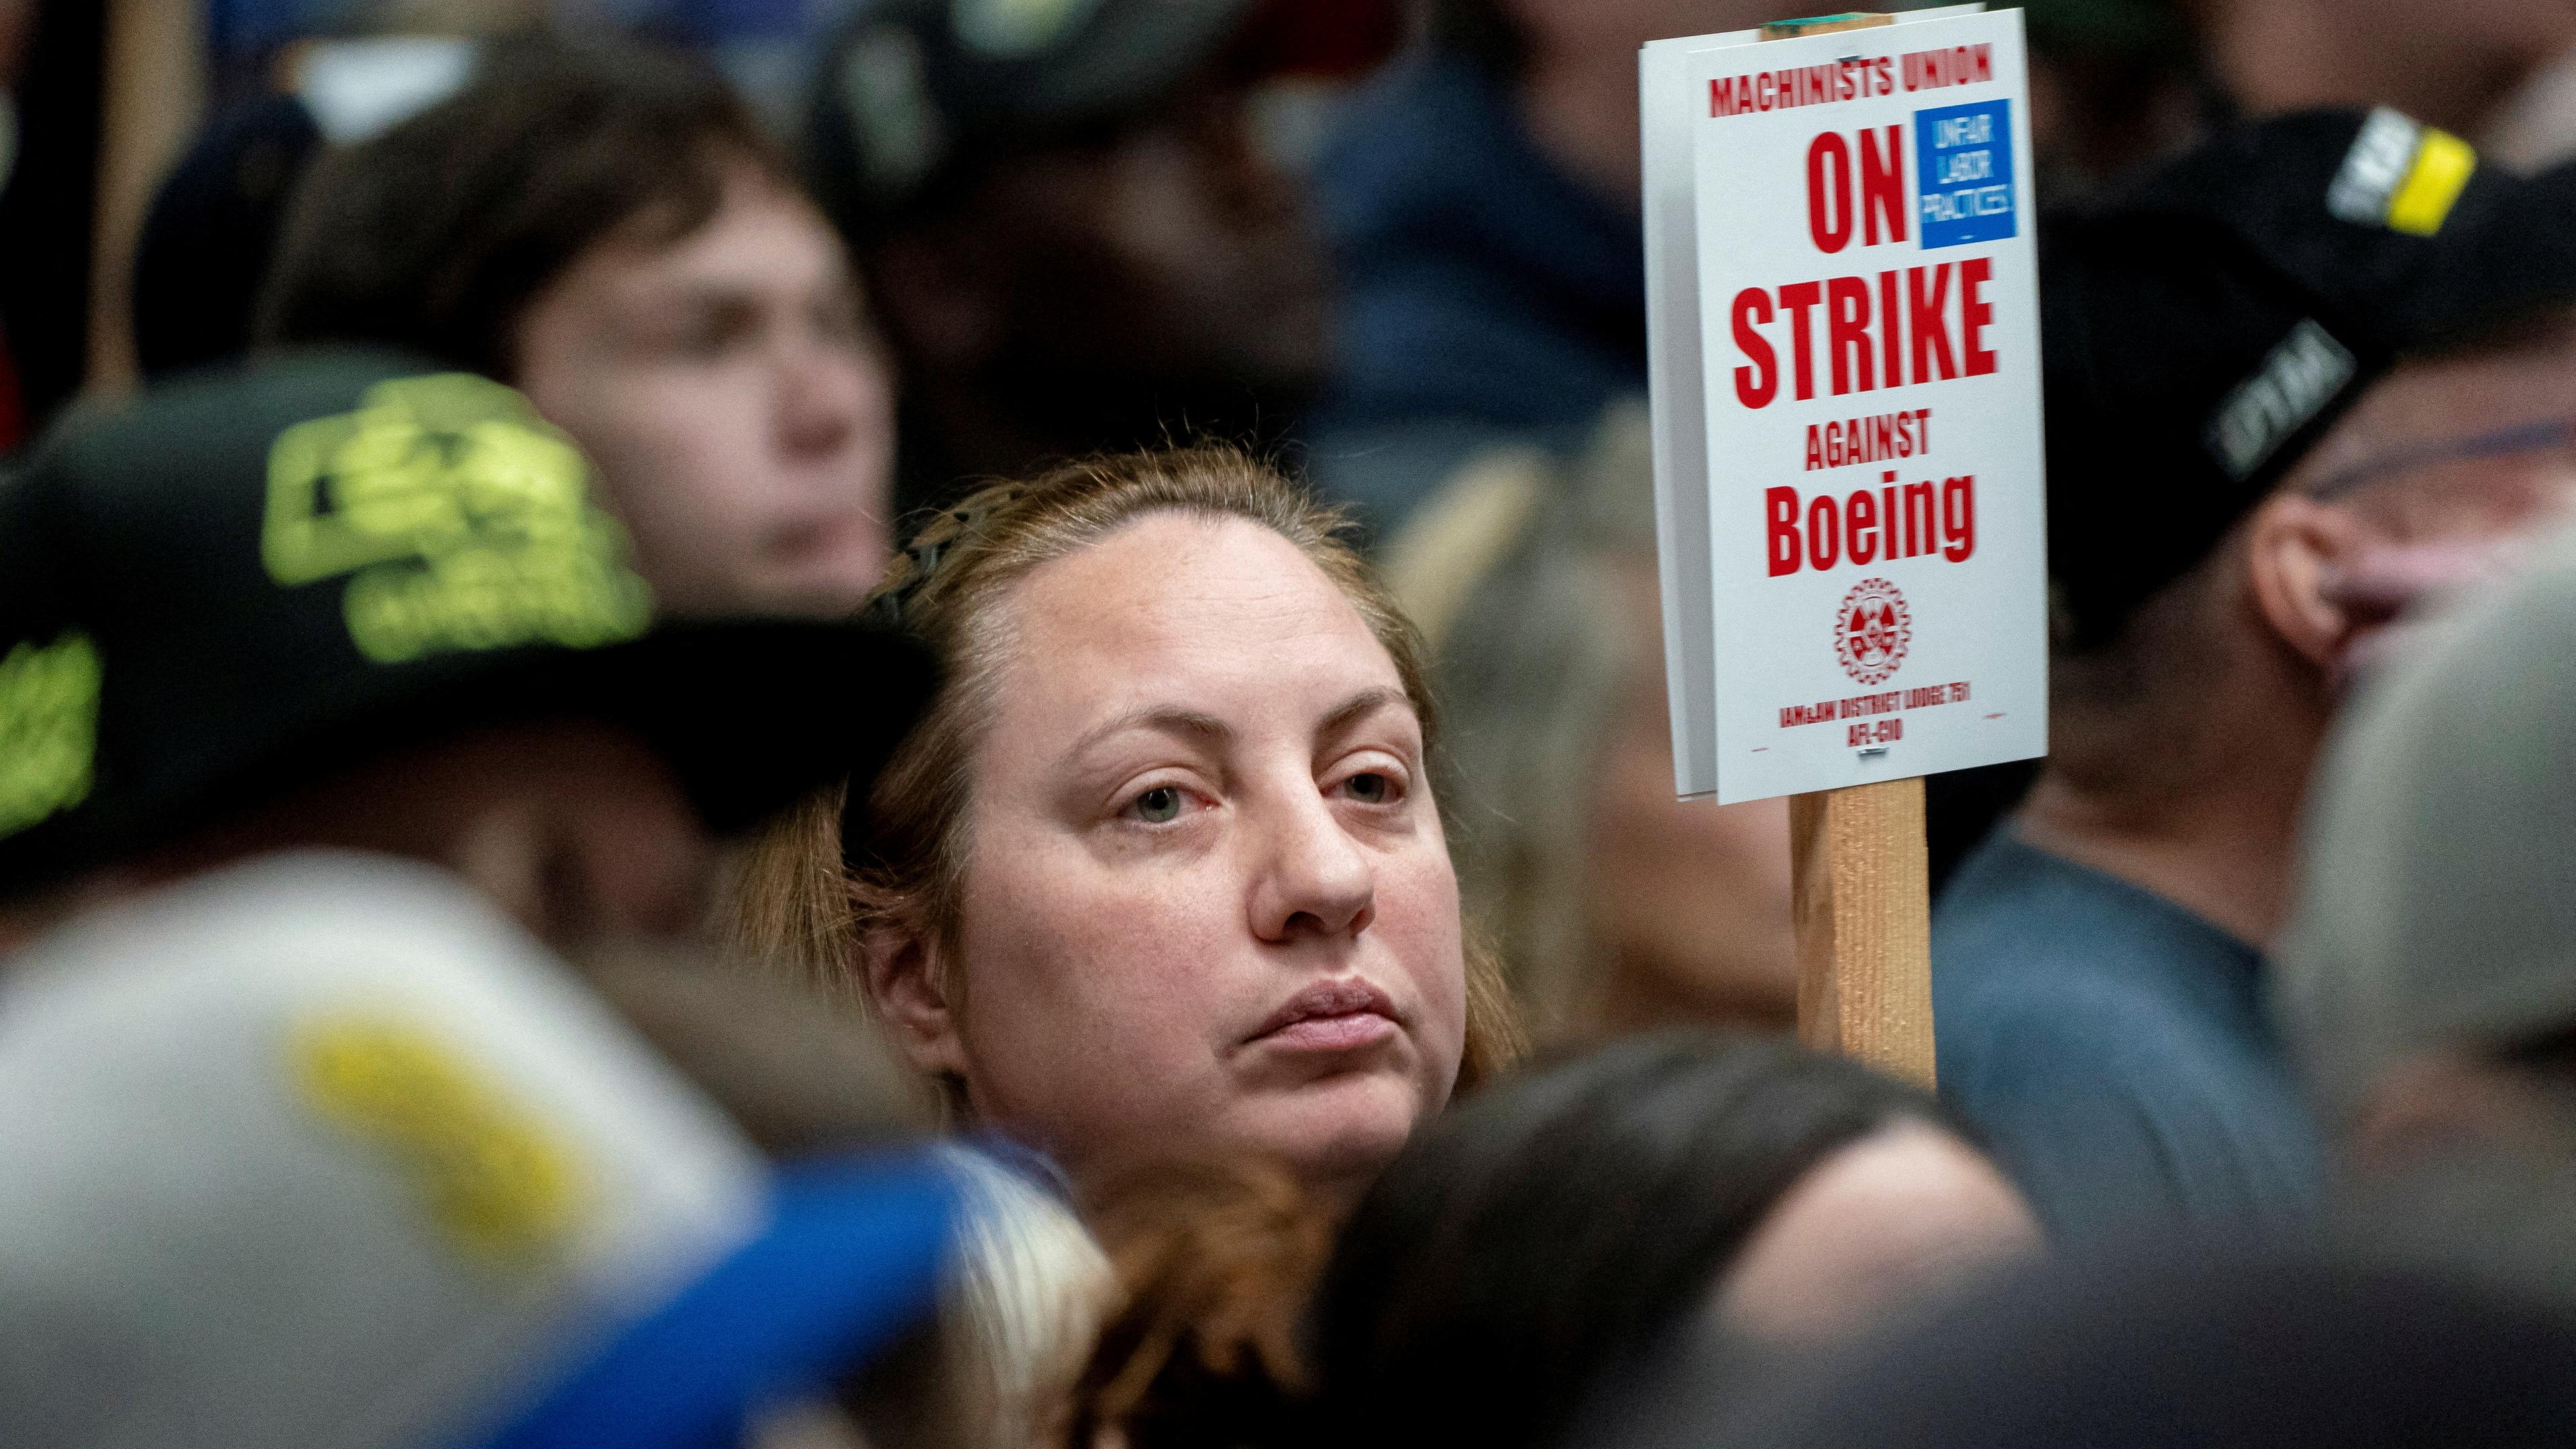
<point x="1215" y="1262"/>
<point x="439" y="234"/>
<point x="807" y="890"/>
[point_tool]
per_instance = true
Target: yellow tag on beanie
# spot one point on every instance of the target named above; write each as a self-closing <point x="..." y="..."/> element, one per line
<point x="2443" y="164"/>
<point x="2401" y="175"/>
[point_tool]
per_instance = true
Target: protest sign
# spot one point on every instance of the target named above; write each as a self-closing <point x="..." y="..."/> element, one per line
<point x="1844" y="350"/>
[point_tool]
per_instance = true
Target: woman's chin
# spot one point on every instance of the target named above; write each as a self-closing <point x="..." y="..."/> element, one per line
<point x="1338" y="1131"/>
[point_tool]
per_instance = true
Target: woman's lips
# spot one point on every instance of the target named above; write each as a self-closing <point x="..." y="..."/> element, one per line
<point x="1330" y="1016"/>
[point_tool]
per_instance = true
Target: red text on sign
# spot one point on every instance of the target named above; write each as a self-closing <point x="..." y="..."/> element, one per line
<point x="1869" y="440"/>
<point x="1870" y="525"/>
<point x="1825" y="711"/>
<point x="1853" y="78"/>
<point x="1907" y="334"/>
<point x="1878" y="206"/>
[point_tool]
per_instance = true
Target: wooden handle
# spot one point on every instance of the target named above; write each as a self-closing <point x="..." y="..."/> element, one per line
<point x="1859" y="883"/>
<point x="1861" y="900"/>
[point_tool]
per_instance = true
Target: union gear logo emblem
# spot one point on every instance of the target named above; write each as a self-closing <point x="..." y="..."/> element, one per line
<point x="463" y="520"/>
<point x="1872" y="630"/>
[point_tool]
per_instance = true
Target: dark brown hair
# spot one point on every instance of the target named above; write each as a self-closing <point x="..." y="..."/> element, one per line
<point x="437" y="235"/>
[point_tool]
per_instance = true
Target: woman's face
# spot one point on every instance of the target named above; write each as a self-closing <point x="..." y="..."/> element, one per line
<point x="1208" y="903"/>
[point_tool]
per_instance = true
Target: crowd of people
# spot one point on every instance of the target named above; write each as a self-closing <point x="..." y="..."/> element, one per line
<point x="982" y="763"/>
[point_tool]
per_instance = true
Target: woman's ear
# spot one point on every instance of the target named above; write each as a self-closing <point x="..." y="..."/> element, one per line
<point x="900" y="966"/>
<point x="2296" y="548"/>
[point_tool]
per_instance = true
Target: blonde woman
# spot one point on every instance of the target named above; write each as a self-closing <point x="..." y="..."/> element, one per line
<point x="1162" y="872"/>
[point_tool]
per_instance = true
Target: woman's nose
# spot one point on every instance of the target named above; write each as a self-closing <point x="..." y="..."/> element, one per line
<point x="1314" y="879"/>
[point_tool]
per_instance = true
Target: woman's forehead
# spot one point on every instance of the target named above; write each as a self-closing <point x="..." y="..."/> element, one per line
<point x="1206" y="611"/>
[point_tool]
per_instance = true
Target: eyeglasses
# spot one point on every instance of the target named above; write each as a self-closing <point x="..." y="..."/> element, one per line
<point x="2502" y="443"/>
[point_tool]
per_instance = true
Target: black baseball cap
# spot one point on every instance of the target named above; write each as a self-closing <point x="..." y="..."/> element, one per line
<point x="248" y="578"/>
<point x="912" y="91"/>
<point x="2204" y="326"/>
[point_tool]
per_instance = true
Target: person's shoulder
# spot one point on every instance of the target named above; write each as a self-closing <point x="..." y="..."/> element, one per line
<point x="2012" y="921"/>
<point x="2020" y="918"/>
<point x="2034" y="959"/>
<point x="2092" y="1001"/>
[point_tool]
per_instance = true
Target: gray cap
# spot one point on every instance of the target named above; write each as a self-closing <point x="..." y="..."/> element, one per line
<point x="319" y="1152"/>
<point x="2437" y="907"/>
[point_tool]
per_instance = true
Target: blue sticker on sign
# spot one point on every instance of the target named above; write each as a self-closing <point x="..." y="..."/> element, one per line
<point x="1964" y="163"/>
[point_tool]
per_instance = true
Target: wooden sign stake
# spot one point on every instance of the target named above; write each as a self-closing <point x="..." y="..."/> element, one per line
<point x="1860" y="886"/>
<point x="1860" y="896"/>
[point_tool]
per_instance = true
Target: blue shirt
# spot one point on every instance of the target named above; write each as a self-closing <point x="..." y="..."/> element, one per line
<point x="2115" y="1050"/>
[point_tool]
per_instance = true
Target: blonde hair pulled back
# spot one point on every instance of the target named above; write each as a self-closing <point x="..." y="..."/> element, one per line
<point x="810" y="889"/>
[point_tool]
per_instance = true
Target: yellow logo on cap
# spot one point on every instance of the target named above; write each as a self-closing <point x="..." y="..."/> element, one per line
<point x="500" y="1185"/>
<point x="463" y="519"/>
<point x="48" y="728"/>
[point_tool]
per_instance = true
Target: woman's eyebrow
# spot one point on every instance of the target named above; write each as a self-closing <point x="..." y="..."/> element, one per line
<point x="1362" y="704"/>
<point x="1163" y="719"/>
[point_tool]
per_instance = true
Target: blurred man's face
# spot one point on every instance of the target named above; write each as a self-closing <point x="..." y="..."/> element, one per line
<point x="1170" y="252"/>
<point x="2446" y="471"/>
<point x="735" y="401"/>
<point x="576" y="829"/>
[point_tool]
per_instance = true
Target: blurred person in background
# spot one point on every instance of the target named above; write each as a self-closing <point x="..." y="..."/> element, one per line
<point x="2222" y="1351"/>
<point x="1482" y="199"/>
<point x="1021" y="1283"/>
<point x="1071" y="226"/>
<point x="339" y="724"/>
<point x="2309" y="375"/>
<point x="22" y="27"/>
<point x="607" y="228"/>
<point x="211" y="235"/>
<point x="1541" y="1239"/>
<point x="2501" y="72"/>
<point x="2428" y="975"/>
<point x="378" y="1161"/>
<point x="1615" y="906"/>
<point x="2114" y="84"/>
<point x="1162" y="873"/>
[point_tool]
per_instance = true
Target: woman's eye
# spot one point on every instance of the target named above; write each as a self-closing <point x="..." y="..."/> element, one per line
<point x="1370" y="789"/>
<point x="1158" y="806"/>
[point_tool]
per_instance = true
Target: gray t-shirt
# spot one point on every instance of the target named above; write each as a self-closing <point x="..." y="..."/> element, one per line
<point x="2114" y="1048"/>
